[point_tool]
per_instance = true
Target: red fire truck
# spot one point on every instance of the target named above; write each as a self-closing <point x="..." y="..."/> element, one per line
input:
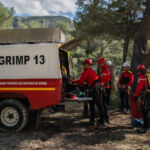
<point x="30" y="74"/>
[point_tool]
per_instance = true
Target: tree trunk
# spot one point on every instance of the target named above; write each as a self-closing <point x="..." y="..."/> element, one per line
<point x="125" y="48"/>
<point x="140" y="42"/>
<point x="136" y="58"/>
<point x="146" y="60"/>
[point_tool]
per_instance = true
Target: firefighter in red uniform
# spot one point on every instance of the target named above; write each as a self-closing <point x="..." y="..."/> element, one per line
<point x="124" y="84"/>
<point x="105" y="78"/>
<point x="139" y="95"/>
<point x="90" y="76"/>
<point x="142" y="81"/>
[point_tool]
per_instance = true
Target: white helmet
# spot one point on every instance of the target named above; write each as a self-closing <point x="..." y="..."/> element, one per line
<point x="126" y="64"/>
<point x="109" y="63"/>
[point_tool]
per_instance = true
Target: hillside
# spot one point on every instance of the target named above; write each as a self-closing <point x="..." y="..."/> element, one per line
<point x="40" y="21"/>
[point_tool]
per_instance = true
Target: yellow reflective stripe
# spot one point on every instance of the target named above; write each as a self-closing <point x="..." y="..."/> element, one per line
<point x="130" y="71"/>
<point x="28" y="89"/>
<point x="59" y="45"/>
<point x="68" y="60"/>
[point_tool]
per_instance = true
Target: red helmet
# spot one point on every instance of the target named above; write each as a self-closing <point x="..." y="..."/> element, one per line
<point x="88" y="61"/>
<point x="101" y="60"/>
<point x="140" y="67"/>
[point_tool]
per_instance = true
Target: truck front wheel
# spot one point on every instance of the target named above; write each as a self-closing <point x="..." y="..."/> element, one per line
<point x="13" y="115"/>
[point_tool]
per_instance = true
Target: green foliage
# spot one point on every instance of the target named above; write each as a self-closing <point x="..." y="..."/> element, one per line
<point x="63" y="23"/>
<point x="21" y="25"/>
<point x="116" y="18"/>
<point x="7" y="24"/>
<point x="95" y="48"/>
<point x="35" y="24"/>
<point x="127" y="16"/>
<point x="5" y="13"/>
<point x="66" y="28"/>
<point x="30" y="23"/>
<point x="5" y="16"/>
<point x="108" y="24"/>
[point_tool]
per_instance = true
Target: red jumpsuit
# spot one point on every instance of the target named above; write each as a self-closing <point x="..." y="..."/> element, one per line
<point x="105" y="77"/>
<point x="142" y="83"/>
<point x="137" y="107"/>
<point x="89" y="76"/>
<point x="126" y="78"/>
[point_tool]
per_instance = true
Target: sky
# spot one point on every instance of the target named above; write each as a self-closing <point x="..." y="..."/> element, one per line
<point x="42" y="7"/>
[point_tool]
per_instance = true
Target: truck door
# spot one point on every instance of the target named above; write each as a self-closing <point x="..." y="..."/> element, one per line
<point x="64" y="66"/>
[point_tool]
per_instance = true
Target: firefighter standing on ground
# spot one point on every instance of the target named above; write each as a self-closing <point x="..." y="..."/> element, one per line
<point x="109" y="63"/>
<point x="90" y="76"/>
<point x="124" y="84"/>
<point x="112" y="81"/>
<point x="139" y="95"/>
<point x="105" y="78"/>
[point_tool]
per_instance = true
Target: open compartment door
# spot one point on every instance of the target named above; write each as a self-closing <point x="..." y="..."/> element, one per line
<point x="71" y="94"/>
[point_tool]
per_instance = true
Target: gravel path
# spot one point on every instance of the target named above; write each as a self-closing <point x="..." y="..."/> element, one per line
<point x="68" y="131"/>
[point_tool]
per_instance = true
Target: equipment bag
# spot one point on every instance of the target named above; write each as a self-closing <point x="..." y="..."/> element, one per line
<point x="137" y="123"/>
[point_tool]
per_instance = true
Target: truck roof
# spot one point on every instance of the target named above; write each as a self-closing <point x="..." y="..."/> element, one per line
<point x="36" y="35"/>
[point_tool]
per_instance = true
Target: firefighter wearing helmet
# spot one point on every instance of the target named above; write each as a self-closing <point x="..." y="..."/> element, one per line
<point x="105" y="77"/>
<point x="124" y="84"/>
<point x="91" y="77"/>
<point x="88" y="75"/>
<point x="112" y="81"/>
<point x="139" y="95"/>
<point x="142" y="81"/>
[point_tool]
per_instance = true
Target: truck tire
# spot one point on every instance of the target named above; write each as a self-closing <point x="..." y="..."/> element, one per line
<point x="13" y="115"/>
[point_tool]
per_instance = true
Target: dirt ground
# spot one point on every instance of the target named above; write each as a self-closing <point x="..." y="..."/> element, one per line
<point x="69" y="131"/>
